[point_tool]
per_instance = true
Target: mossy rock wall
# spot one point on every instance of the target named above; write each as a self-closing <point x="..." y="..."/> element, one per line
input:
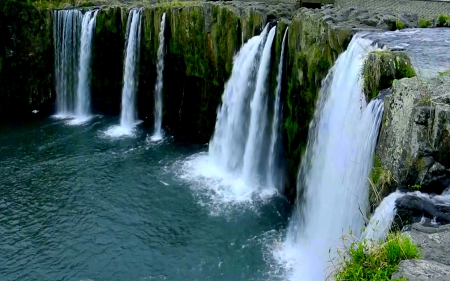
<point x="26" y="60"/>
<point x="313" y="47"/>
<point x="381" y="68"/>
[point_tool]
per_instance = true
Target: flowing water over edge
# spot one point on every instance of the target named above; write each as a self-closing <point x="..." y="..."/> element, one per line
<point x="130" y="77"/>
<point x="332" y="178"/>
<point x="83" y="100"/>
<point x="158" y="134"/>
<point x="273" y="175"/>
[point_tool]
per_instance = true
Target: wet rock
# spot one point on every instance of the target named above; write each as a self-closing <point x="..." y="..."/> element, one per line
<point x="434" y="242"/>
<point x="422" y="270"/>
<point x="414" y="142"/>
<point x="370" y="21"/>
<point x="412" y="208"/>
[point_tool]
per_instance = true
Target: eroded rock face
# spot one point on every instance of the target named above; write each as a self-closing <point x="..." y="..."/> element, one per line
<point x="415" y="134"/>
<point x="434" y="264"/>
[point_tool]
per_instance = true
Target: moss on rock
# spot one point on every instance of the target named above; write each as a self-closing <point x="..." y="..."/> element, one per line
<point x="381" y="68"/>
<point x="26" y="59"/>
<point x="313" y="47"/>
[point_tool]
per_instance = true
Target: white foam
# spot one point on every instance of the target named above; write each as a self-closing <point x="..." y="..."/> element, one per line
<point x="217" y="188"/>
<point x="118" y="131"/>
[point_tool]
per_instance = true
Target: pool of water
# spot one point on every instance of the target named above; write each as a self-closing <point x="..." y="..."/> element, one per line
<point x="76" y="204"/>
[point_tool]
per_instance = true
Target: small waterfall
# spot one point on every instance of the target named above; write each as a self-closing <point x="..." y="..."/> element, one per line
<point x="380" y="223"/>
<point x="130" y="76"/>
<point x="83" y="100"/>
<point x="66" y="36"/>
<point x="272" y="177"/>
<point x="258" y="116"/>
<point x="333" y="173"/>
<point x="158" y="135"/>
<point x="231" y="130"/>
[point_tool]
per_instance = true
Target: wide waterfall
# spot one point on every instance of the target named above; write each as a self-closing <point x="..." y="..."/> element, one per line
<point x="332" y="182"/>
<point x="158" y="135"/>
<point x="273" y="177"/>
<point x="66" y="35"/>
<point x="83" y="100"/>
<point x="130" y="76"/>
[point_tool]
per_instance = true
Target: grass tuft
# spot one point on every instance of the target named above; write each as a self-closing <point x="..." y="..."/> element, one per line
<point x="368" y="261"/>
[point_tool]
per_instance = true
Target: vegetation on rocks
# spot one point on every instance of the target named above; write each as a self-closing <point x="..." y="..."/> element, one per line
<point x="381" y="182"/>
<point x="366" y="260"/>
<point x="381" y="68"/>
<point x="423" y="23"/>
<point x="26" y="59"/>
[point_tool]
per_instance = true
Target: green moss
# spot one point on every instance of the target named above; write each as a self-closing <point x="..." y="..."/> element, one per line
<point x="399" y="25"/>
<point x="445" y="72"/>
<point x="366" y="261"/>
<point x="443" y="20"/>
<point x="26" y="58"/>
<point x="381" y="68"/>
<point x="424" y="23"/>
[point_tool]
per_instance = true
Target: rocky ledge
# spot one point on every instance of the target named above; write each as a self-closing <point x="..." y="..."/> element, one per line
<point x="434" y="264"/>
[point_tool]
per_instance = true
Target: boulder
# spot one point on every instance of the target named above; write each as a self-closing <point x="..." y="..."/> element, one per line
<point x="414" y="141"/>
<point x="435" y="261"/>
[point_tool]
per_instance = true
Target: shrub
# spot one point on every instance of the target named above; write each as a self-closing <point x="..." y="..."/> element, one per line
<point x="399" y="24"/>
<point x="443" y="20"/>
<point x="424" y="23"/>
<point x="368" y="261"/>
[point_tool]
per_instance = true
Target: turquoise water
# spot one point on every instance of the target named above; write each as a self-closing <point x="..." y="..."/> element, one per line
<point x="76" y="205"/>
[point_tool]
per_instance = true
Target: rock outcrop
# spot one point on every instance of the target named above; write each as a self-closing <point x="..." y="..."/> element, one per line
<point x="434" y="264"/>
<point x="414" y="140"/>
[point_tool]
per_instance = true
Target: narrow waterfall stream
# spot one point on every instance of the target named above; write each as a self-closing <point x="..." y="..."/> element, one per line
<point x="130" y="77"/>
<point x="158" y="134"/>
<point x="66" y="34"/>
<point x="273" y="176"/>
<point x="333" y="174"/>
<point x="83" y="99"/>
<point x="258" y="115"/>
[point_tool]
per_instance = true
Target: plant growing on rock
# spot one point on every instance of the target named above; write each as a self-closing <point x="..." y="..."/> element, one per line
<point x="423" y="23"/>
<point x="366" y="260"/>
<point x="443" y="20"/>
<point x="399" y="25"/>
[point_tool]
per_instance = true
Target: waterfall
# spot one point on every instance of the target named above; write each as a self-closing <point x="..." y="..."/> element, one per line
<point x="230" y="172"/>
<point x="380" y="223"/>
<point x="333" y="176"/>
<point x="66" y="35"/>
<point x="83" y="100"/>
<point x="130" y="76"/>
<point x="231" y="130"/>
<point x="272" y="176"/>
<point x="157" y="135"/>
<point x="258" y="116"/>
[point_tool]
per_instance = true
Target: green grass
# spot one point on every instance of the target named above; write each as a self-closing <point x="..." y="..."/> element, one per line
<point x="399" y="24"/>
<point x="424" y="23"/>
<point x="443" y="20"/>
<point x="366" y="261"/>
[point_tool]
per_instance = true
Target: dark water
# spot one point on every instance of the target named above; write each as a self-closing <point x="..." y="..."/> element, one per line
<point x="76" y="205"/>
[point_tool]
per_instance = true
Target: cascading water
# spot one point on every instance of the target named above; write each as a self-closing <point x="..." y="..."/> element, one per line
<point x="272" y="175"/>
<point x="83" y="100"/>
<point x="130" y="76"/>
<point x="380" y="223"/>
<point x="158" y="135"/>
<point x="230" y="171"/>
<point x="66" y="36"/>
<point x="258" y="116"/>
<point x="333" y="174"/>
<point x="231" y="131"/>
